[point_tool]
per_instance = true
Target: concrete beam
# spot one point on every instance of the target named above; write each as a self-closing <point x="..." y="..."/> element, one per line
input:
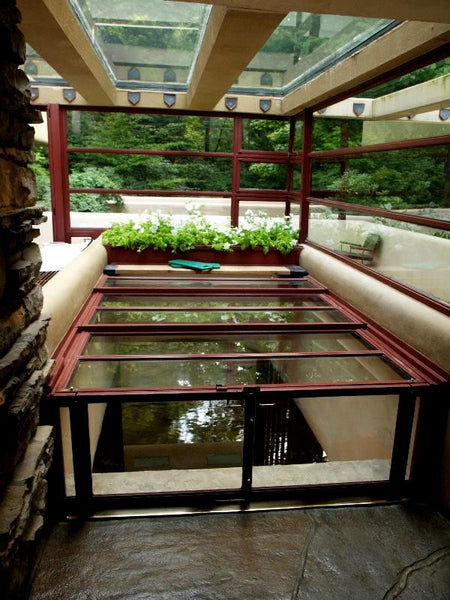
<point x="423" y="97"/>
<point x="150" y="99"/>
<point x="434" y="11"/>
<point x="400" y="45"/>
<point x="232" y="38"/>
<point x="52" y="29"/>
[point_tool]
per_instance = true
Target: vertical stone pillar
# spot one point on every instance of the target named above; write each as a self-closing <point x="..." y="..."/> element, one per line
<point x="25" y="448"/>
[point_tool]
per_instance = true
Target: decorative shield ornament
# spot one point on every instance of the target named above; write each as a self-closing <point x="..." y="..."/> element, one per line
<point x="134" y="98"/>
<point x="444" y="114"/>
<point x="231" y="103"/>
<point x="34" y="93"/>
<point x="265" y="105"/>
<point x="69" y="94"/>
<point x="358" y="108"/>
<point x="169" y="99"/>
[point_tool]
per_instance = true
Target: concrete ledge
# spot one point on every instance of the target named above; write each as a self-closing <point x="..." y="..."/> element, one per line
<point x="65" y="293"/>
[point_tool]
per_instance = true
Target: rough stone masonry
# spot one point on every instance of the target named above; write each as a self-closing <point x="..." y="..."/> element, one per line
<point x="25" y="447"/>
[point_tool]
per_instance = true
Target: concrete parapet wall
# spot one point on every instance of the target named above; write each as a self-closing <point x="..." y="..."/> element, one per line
<point x="65" y="294"/>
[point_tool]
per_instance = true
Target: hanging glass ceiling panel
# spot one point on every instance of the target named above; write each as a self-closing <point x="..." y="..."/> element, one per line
<point x="303" y="45"/>
<point x="153" y="44"/>
<point x="39" y="71"/>
<point x="144" y="42"/>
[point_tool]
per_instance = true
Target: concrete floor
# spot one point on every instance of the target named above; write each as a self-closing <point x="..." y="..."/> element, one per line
<point x="358" y="553"/>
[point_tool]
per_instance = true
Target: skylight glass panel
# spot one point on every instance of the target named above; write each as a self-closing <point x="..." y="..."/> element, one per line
<point x="303" y="45"/>
<point x="39" y="71"/>
<point x="144" y="42"/>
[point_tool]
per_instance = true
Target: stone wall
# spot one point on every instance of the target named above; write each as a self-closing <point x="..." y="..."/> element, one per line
<point x="25" y="447"/>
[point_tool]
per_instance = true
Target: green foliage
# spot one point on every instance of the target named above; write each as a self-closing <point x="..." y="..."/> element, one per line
<point x="40" y="168"/>
<point x="93" y="178"/>
<point x="162" y="232"/>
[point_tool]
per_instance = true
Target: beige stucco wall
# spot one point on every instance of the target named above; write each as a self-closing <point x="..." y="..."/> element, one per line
<point x="64" y="295"/>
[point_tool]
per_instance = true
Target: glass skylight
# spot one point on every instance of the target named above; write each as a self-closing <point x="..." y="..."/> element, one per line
<point x="154" y="44"/>
<point x="303" y="45"/>
<point x="144" y="43"/>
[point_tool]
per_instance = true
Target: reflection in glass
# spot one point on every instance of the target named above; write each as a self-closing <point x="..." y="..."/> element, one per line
<point x="160" y="373"/>
<point x="344" y="439"/>
<point x="207" y="283"/>
<point x="305" y="44"/>
<point x="169" y="446"/>
<point x="99" y="345"/>
<point x="227" y="301"/>
<point x="383" y="179"/>
<point x="218" y="316"/>
<point x="411" y="254"/>
<point x="155" y="35"/>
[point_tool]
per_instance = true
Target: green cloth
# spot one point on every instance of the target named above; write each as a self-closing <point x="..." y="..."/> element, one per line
<point x="195" y="265"/>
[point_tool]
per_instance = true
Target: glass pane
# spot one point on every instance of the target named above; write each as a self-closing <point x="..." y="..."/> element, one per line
<point x="218" y="316"/>
<point x="100" y="210"/>
<point x="302" y="46"/>
<point x="259" y="134"/>
<point x="383" y="180"/>
<point x="98" y="129"/>
<point x="230" y="371"/>
<point x="427" y="73"/>
<point x="411" y="254"/>
<point x="220" y="344"/>
<point x="169" y="447"/>
<point x="38" y="70"/>
<point x="267" y="176"/>
<point x="158" y="39"/>
<point x="312" y="441"/>
<point x="144" y="172"/>
<point x="208" y="283"/>
<point x="275" y="209"/>
<point x="226" y="301"/>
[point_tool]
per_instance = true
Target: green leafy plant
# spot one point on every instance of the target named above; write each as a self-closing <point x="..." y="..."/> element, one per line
<point x="162" y="232"/>
<point x="90" y="177"/>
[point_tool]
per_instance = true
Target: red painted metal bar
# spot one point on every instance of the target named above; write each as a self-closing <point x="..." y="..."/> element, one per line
<point x="174" y="394"/>
<point x="263" y="157"/>
<point x="59" y="172"/>
<point x="249" y="194"/>
<point x="222" y="327"/>
<point x="306" y="173"/>
<point x="214" y="293"/>
<point x="290" y="168"/>
<point x="140" y="192"/>
<point x="236" y="171"/>
<point x="234" y="308"/>
<point x="383" y="212"/>
<point x="232" y="355"/>
<point x="411" y="292"/>
<point x="324" y="155"/>
<point x="82" y="150"/>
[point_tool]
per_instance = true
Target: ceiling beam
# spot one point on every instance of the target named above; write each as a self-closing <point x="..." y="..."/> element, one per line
<point x="52" y="29"/>
<point x="397" y="47"/>
<point x="423" y="97"/>
<point x="231" y="40"/>
<point x="434" y="11"/>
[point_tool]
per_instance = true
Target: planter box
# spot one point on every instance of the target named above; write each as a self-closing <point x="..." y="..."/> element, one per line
<point x="237" y="257"/>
